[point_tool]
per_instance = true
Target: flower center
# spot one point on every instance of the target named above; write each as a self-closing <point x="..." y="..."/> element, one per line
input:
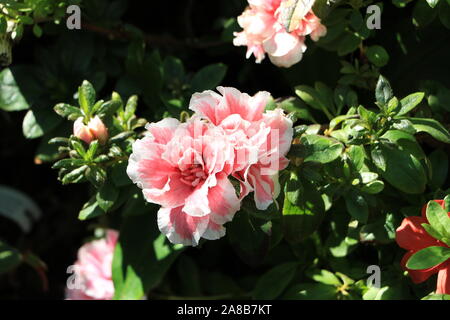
<point x="193" y="175"/>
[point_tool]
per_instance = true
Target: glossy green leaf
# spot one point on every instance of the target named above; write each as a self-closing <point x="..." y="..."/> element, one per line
<point x="428" y="258"/>
<point x="410" y="102"/>
<point x="432" y="127"/>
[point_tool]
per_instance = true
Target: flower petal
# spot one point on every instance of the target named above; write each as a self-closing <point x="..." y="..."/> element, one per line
<point x="443" y="280"/>
<point x="223" y="201"/>
<point x="214" y="231"/>
<point x="162" y="131"/>
<point x="412" y="236"/>
<point x="181" y="228"/>
<point x="264" y="187"/>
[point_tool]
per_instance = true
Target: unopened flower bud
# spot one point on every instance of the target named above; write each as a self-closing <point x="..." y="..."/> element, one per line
<point x="94" y="130"/>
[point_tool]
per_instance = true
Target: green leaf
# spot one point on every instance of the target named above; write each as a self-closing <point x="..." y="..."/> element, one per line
<point x="86" y="97"/>
<point x="67" y="111"/>
<point x="293" y="188"/>
<point x="405" y="142"/>
<point x="11" y="97"/>
<point x="373" y="187"/>
<point x="249" y="237"/>
<point x="75" y="175"/>
<point x="311" y="291"/>
<point x="311" y="97"/>
<point x="90" y="210"/>
<point x="428" y="258"/>
<point x="382" y="231"/>
<point x="37" y="30"/>
<point x="403" y="170"/>
<point x="68" y="163"/>
<point x="356" y="155"/>
<point x="272" y="283"/>
<point x="320" y="149"/>
<point x="326" y="277"/>
<point x="377" y="55"/>
<point x="408" y="103"/>
<point x="140" y="263"/>
<point x="208" y="77"/>
<point x="106" y="196"/>
<point x="437" y="297"/>
<point x="439" y="166"/>
<point x="303" y="219"/>
<point x="38" y="122"/>
<point x="439" y="220"/>
<point x="432" y="127"/>
<point x="423" y="14"/>
<point x="433" y="3"/>
<point x="298" y="107"/>
<point x="378" y="158"/>
<point x="18" y="207"/>
<point x="10" y="258"/>
<point x="357" y="206"/>
<point x="383" y="91"/>
<point x="108" y="108"/>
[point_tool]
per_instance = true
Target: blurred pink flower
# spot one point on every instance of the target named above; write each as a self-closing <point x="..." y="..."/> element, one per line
<point x="264" y="32"/>
<point x="92" y="271"/>
<point x="184" y="167"/>
<point x="261" y="139"/>
<point x="94" y="130"/>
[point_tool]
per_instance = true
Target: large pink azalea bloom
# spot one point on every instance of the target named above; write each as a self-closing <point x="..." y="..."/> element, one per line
<point x="184" y="167"/>
<point x="92" y="278"/>
<point x="261" y="139"/>
<point x="264" y="32"/>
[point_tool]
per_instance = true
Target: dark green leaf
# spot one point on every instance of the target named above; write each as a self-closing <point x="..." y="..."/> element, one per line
<point x="10" y="258"/>
<point x="208" y="77"/>
<point x="273" y="283"/>
<point x="140" y="263"/>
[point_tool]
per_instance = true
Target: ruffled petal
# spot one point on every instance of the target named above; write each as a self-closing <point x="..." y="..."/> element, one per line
<point x="264" y="187"/>
<point x="223" y="201"/>
<point x="162" y="131"/>
<point x="214" y="231"/>
<point x="181" y="228"/>
<point x="172" y="195"/>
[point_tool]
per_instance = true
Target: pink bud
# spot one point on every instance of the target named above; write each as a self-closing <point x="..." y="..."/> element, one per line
<point x="98" y="129"/>
<point x="81" y="131"/>
<point x="94" y="130"/>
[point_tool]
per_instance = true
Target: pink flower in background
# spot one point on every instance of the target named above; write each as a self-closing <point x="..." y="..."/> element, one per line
<point x="261" y="139"/>
<point x="92" y="271"/>
<point x="94" y="130"/>
<point x="184" y="167"/>
<point x="265" y="31"/>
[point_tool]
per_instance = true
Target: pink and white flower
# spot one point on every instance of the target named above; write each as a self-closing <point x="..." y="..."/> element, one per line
<point x="261" y="139"/>
<point x="264" y="31"/>
<point x="184" y="167"/>
<point x="92" y="278"/>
